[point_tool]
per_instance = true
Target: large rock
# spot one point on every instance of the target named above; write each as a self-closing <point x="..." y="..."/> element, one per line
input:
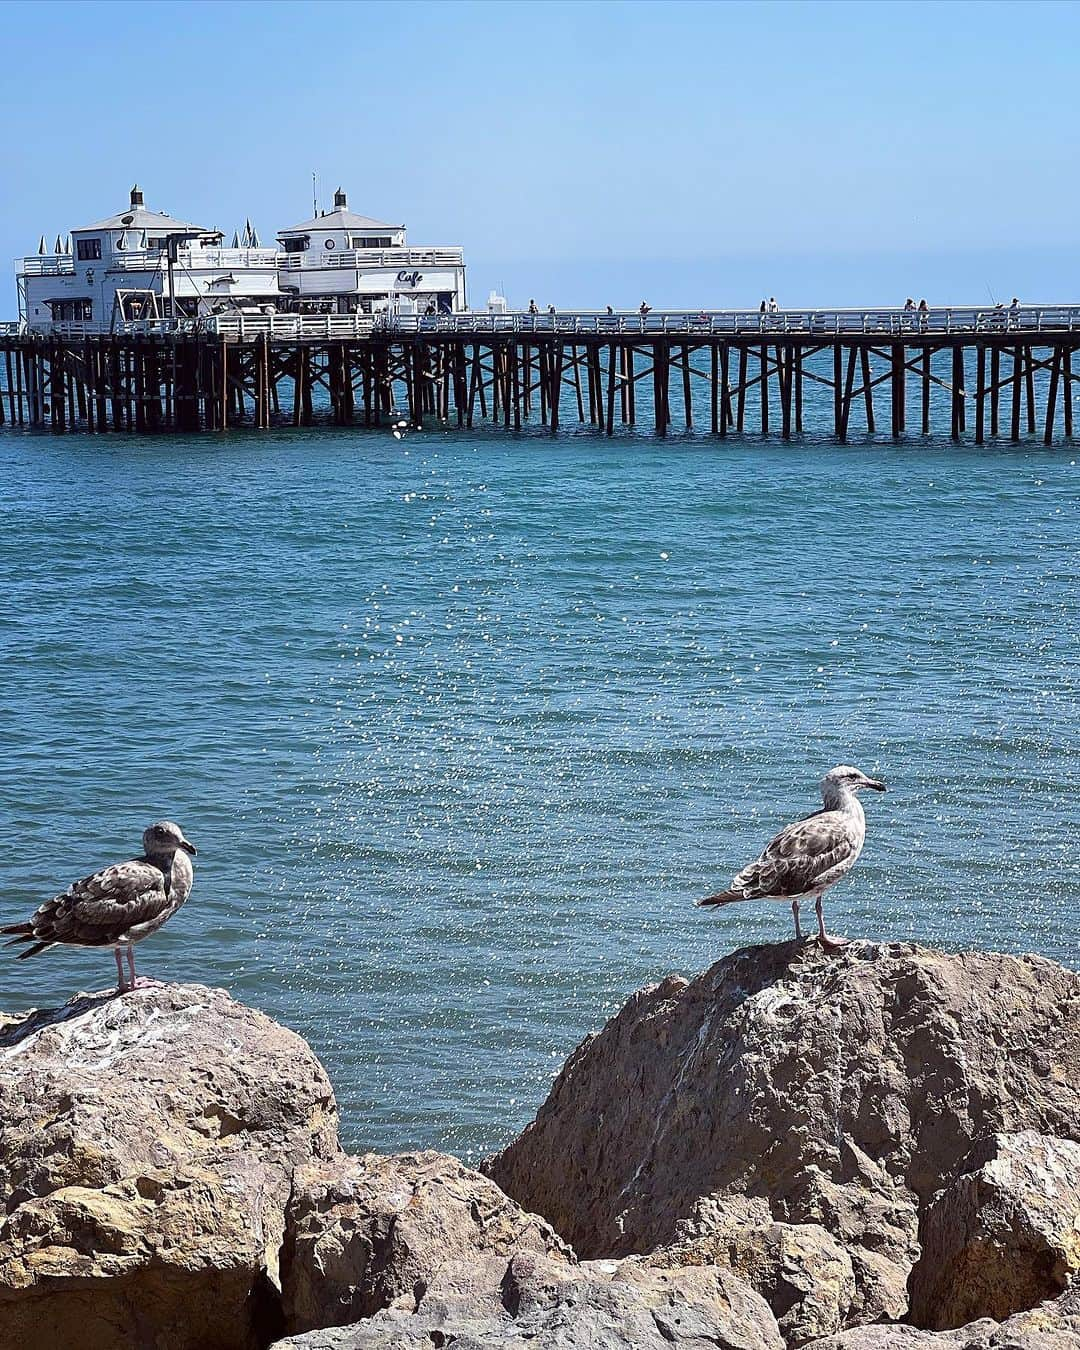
<point x="839" y="1089"/>
<point x="803" y="1272"/>
<point x="1004" y="1236"/>
<point x="1050" y="1326"/>
<point x="561" y="1306"/>
<point x="147" y="1148"/>
<point x="367" y="1233"/>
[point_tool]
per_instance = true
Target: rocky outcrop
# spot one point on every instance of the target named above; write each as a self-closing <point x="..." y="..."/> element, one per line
<point x="369" y="1233"/>
<point x="147" y="1149"/>
<point x="803" y="1272"/>
<point x="1050" y="1326"/>
<point x="842" y="1091"/>
<point x="773" y="1154"/>
<point x="1004" y="1236"/>
<point x="559" y="1305"/>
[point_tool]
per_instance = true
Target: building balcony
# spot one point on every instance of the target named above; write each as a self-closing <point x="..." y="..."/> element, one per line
<point x="361" y="258"/>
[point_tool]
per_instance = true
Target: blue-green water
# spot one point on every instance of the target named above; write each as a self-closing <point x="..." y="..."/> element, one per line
<point x="462" y="725"/>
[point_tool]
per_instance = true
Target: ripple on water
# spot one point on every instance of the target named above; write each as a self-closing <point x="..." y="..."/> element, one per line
<point x="462" y="727"/>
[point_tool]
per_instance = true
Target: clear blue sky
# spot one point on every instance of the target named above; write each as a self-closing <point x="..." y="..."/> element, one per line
<point x="584" y="153"/>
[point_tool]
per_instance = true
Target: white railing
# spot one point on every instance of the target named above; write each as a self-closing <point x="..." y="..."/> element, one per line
<point x="813" y="323"/>
<point x="241" y="327"/>
<point x="319" y="259"/>
<point x="877" y="323"/>
<point x="151" y="260"/>
<point x="48" y="265"/>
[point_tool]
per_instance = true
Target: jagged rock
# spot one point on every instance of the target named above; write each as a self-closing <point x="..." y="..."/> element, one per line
<point x="802" y="1271"/>
<point x="839" y="1089"/>
<point x="1051" y="1326"/>
<point x="363" y="1234"/>
<point x="1004" y="1236"/>
<point x="561" y="1306"/>
<point x="147" y="1147"/>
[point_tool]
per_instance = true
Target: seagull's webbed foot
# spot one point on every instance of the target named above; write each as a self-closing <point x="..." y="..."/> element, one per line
<point x="828" y="944"/>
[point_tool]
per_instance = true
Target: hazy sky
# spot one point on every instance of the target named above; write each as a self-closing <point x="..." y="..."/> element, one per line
<point x="586" y="153"/>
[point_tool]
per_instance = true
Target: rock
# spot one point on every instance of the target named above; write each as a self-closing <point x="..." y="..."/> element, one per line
<point x="1004" y="1236"/>
<point x="1051" y="1326"/>
<point x="802" y="1271"/>
<point x="840" y="1090"/>
<point x="364" y="1234"/>
<point x="561" y="1306"/>
<point x="147" y="1148"/>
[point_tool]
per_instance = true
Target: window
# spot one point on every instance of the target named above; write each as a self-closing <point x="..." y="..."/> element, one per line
<point x="155" y="241"/>
<point x="88" y="250"/>
<point x="370" y="241"/>
<point x="71" y="311"/>
<point x="296" y="245"/>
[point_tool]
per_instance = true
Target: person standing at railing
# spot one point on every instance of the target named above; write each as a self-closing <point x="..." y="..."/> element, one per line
<point x="924" y="315"/>
<point x="533" y="307"/>
<point x="644" y="309"/>
<point x="1014" y="312"/>
<point x="774" y="308"/>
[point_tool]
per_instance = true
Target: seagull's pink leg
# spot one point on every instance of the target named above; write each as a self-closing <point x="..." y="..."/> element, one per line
<point x="830" y="944"/>
<point x="137" y="981"/>
<point x="120" y="982"/>
<point x="798" y="925"/>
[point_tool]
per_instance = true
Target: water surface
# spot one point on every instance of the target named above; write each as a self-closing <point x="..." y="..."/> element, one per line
<point x="461" y="725"/>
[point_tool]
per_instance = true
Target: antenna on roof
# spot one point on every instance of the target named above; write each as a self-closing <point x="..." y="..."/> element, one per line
<point x="314" y="197"/>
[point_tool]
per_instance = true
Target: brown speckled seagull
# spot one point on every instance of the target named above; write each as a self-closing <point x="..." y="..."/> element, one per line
<point x="118" y="906"/>
<point x="811" y="855"/>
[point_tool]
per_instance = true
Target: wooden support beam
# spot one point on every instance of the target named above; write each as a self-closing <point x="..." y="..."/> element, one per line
<point x="868" y="389"/>
<point x="1017" y="377"/>
<point x="995" y="388"/>
<point x="980" y="393"/>
<point x="1051" y="397"/>
<point x="898" y="390"/>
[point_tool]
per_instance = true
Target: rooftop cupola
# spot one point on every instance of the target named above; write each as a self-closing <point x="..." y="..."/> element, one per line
<point x="136" y="196"/>
<point x="341" y="202"/>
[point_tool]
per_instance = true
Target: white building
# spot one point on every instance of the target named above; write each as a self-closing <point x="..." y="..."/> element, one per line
<point x="340" y="262"/>
<point x="142" y="264"/>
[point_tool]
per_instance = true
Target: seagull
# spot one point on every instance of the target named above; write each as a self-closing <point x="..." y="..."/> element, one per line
<point x="118" y="906"/>
<point x="811" y="855"/>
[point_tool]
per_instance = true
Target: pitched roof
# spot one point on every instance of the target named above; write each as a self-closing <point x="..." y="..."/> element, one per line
<point x="139" y="218"/>
<point x="341" y="219"/>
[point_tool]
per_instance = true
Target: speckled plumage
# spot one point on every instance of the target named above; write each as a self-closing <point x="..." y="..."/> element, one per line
<point x="117" y="906"/>
<point x="810" y="855"/>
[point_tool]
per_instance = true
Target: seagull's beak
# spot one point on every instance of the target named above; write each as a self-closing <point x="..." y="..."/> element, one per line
<point x="874" y="783"/>
<point x="188" y="847"/>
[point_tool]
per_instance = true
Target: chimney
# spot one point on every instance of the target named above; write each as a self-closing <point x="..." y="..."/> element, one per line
<point x="341" y="202"/>
<point x="136" y="196"/>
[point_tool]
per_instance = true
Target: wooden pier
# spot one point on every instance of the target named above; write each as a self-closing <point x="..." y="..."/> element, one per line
<point x="993" y="373"/>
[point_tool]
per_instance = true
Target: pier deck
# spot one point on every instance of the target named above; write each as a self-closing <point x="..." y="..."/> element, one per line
<point x="990" y="372"/>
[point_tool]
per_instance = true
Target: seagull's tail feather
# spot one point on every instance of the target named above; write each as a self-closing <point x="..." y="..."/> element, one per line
<point x="32" y="951"/>
<point x="721" y="898"/>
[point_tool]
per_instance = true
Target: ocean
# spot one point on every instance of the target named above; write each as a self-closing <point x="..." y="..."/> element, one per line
<point x="463" y="724"/>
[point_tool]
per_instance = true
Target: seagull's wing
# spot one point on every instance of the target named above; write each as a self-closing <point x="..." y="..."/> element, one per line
<point x="802" y="857"/>
<point x="99" y="909"/>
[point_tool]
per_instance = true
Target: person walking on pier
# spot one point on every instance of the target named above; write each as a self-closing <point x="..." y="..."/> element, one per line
<point x="644" y="309"/>
<point x="533" y="307"/>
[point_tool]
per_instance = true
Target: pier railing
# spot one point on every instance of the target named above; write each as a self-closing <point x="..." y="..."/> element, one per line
<point x="372" y="257"/>
<point x="823" y="323"/>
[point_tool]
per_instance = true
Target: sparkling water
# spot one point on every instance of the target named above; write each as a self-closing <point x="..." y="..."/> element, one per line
<point x="463" y="724"/>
